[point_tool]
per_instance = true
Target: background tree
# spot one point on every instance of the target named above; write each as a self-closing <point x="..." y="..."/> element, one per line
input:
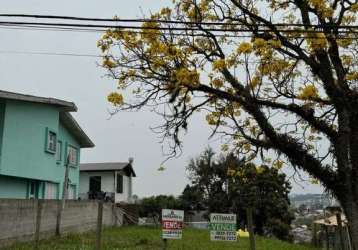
<point x="152" y="206"/>
<point x="227" y="184"/>
<point x="273" y="77"/>
<point x="192" y="199"/>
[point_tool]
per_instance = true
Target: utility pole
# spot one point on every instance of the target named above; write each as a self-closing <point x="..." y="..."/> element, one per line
<point x="62" y="203"/>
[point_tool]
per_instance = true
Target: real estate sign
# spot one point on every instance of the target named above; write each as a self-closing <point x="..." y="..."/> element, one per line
<point x="172" y="223"/>
<point x="223" y="227"/>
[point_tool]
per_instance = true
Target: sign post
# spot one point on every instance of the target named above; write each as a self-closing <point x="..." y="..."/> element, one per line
<point x="172" y="224"/>
<point x="250" y="224"/>
<point x="223" y="227"/>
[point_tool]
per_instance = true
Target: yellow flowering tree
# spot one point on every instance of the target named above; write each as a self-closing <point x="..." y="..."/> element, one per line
<point x="271" y="76"/>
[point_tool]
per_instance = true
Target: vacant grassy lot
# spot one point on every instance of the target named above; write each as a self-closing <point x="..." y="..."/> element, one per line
<point x="145" y="238"/>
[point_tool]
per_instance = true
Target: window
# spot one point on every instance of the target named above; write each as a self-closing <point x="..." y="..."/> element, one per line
<point x="51" y="141"/>
<point x="59" y="151"/>
<point x="51" y="190"/>
<point x="72" y="192"/>
<point x="72" y="155"/>
<point x="95" y="184"/>
<point x="32" y="191"/>
<point x="119" y="184"/>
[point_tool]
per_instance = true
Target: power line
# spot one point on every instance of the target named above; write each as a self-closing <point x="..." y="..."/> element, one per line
<point x="143" y="20"/>
<point x="183" y="28"/>
<point x="48" y="53"/>
<point x="196" y="34"/>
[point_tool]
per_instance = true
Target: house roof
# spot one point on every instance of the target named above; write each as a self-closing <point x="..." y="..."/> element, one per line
<point x="108" y="166"/>
<point x="331" y="221"/>
<point x="64" y="105"/>
<point x="65" y="117"/>
<point x="70" y="123"/>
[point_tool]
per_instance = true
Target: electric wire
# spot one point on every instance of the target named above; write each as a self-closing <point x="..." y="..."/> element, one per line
<point x="143" y="20"/>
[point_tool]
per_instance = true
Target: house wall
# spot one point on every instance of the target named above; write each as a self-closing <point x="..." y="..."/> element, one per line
<point x="74" y="172"/>
<point x="125" y="196"/>
<point x="107" y="182"/>
<point x="23" y="147"/>
<point x="23" y="151"/>
<point x="11" y="187"/>
<point x="2" y="118"/>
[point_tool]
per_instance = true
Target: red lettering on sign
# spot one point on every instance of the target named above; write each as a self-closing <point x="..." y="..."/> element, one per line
<point x="172" y="224"/>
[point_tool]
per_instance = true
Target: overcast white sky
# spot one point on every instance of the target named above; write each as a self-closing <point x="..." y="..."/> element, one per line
<point x="80" y="80"/>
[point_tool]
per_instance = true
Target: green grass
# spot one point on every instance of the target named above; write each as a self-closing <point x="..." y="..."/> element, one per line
<point x="146" y="238"/>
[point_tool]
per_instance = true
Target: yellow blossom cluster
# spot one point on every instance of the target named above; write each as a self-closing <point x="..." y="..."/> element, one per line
<point x="231" y="172"/>
<point x="212" y="118"/>
<point x="115" y="98"/>
<point x="353" y="76"/>
<point x="244" y="48"/>
<point x="274" y="67"/>
<point x="278" y="164"/>
<point x="313" y="181"/>
<point x="308" y="92"/>
<point x="186" y="77"/>
<point x="316" y="41"/>
<point x="219" y="64"/>
<point x="322" y="7"/>
<point x="108" y="63"/>
<point x="260" y="169"/>
<point x="150" y="31"/>
<point x="255" y="81"/>
<point x="217" y="82"/>
<point x="225" y="147"/>
<point x="354" y="7"/>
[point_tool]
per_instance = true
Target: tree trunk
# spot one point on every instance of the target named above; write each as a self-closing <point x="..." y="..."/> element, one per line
<point x="351" y="210"/>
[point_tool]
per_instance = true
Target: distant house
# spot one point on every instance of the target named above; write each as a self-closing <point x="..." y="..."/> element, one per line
<point x="36" y="136"/>
<point x="114" y="179"/>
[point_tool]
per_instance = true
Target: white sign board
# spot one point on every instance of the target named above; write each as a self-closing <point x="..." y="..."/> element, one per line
<point x="172" y="223"/>
<point x="223" y="227"/>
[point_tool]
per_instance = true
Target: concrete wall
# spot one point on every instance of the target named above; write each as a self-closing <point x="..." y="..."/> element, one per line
<point x="18" y="218"/>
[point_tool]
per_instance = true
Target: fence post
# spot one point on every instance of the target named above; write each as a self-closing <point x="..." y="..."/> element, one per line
<point x="115" y="215"/>
<point x="99" y="225"/>
<point x="165" y="244"/>
<point x="340" y="231"/>
<point x="58" y="218"/>
<point x="314" y="233"/>
<point x="250" y="225"/>
<point x="38" y="223"/>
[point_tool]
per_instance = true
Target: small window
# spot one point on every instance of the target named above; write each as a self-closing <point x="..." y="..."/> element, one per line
<point x="72" y="155"/>
<point x="119" y="184"/>
<point x="59" y="151"/>
<point x="51" y="141"/>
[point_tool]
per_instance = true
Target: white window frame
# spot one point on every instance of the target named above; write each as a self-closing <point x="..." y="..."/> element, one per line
<point x="59" y="151"/>
<point x="72" y="153"/>
<point x="51" y="141"/>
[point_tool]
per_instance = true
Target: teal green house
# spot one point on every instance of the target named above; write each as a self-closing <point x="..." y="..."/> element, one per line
<point x="37" y="135"/>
